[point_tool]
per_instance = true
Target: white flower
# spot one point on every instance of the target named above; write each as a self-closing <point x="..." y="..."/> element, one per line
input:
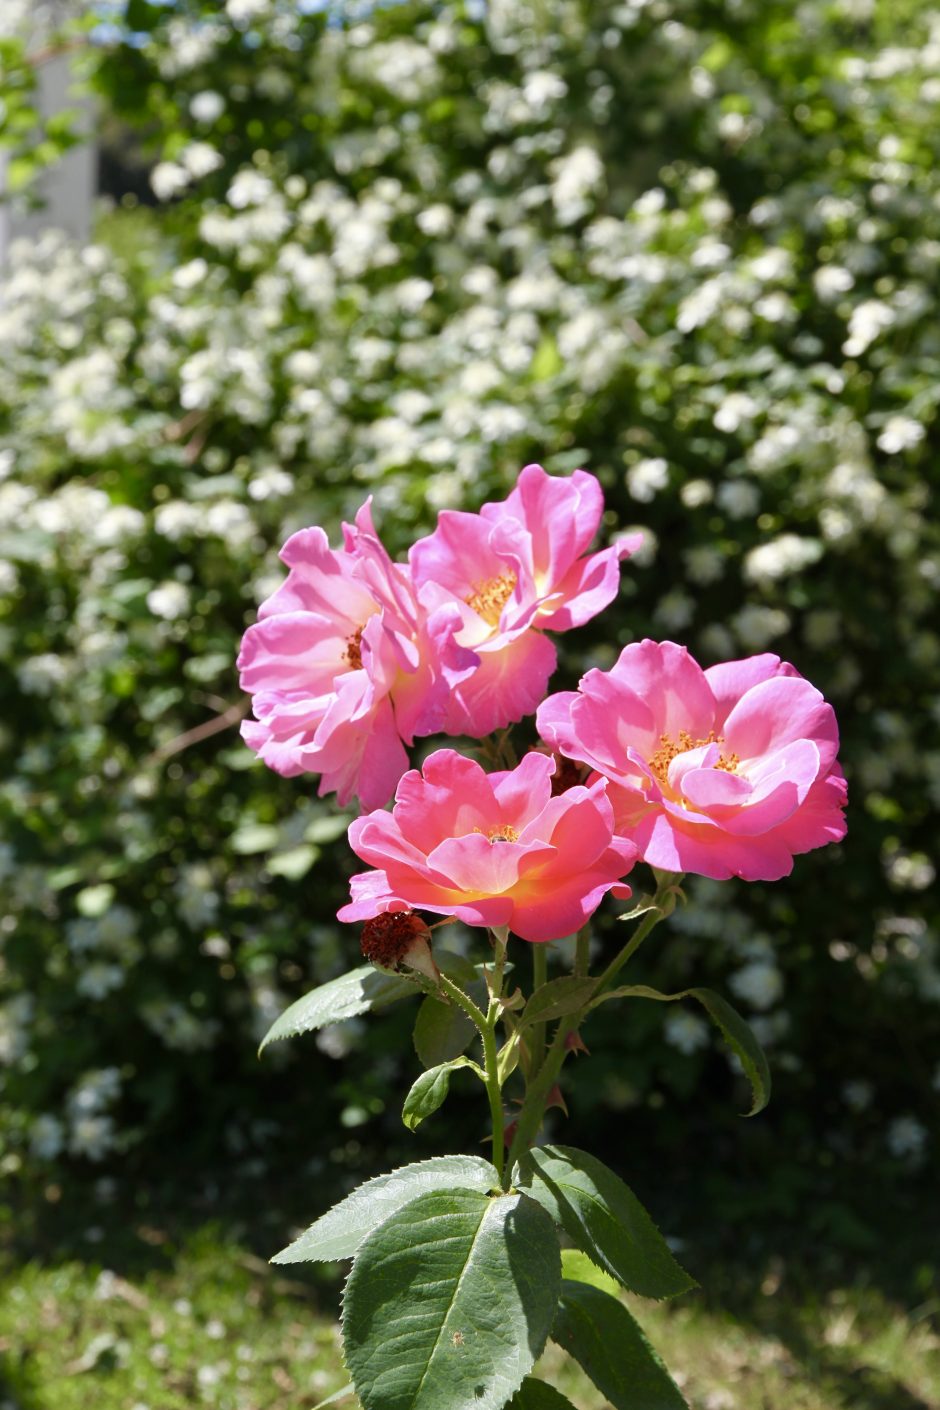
<point x="249" y="188"/>
<point x="759" y="984"/>
<point x="646" y="478"/>
<point x="786" y="554"/>
<point x="97" y="980"/>
<point x="168" y="179"/>
<point x="906" y="1137"/>
<point x="92" y="1137"/>
<point x="755" y="625"/>
<point x="674" y="610"/>
<point x="244" y="11"/>
<point x="435" y="221"/>
<point x="858" y="1094"/>
<point x="191" y="274"/>
<point x="576" y="177"/>
<point x="738" y="498"/>
<point x="704" y="564"/>
<point x="868" y="321"/>
<point x="542" y="88"/>
<point x="831" y="280"/>
<point x="47" y="1137"/>
<point x="736" y="408"/>
<point x="900" y="433"/>
<point x="207" y="107"/>
<point x="169" y="600"/>
<point x="695" y="493"/>
<point x="199" y="159"/>
<point x="685" y="1031"/>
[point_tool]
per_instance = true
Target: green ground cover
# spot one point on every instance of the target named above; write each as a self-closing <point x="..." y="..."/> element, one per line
<point x="128" y="1313"/>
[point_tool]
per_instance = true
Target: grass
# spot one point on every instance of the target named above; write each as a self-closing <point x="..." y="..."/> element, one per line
<point x="136" y="1318"/>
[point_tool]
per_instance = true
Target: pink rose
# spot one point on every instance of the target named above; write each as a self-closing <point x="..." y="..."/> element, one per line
<point x="491" y="849"/>
<point x="509" y="574"/>
<point x="342" y="667"/>
<point x="726" y="772"/>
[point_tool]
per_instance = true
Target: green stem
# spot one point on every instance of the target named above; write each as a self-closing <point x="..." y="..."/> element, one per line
<point x="582" y="954"/>
<point x="539" y="976"/>
<point x="538" y="1091"/>
<point x="486" y="1023"/>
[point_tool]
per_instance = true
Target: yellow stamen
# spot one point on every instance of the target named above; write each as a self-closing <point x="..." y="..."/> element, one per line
<point x="488" y="598"/>
<point x="504" y="833"/>
<point x="669" y="750"/>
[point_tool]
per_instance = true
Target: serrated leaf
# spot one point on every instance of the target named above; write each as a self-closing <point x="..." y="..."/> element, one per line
<point x="351" y="994"/>
<point x="557" y="998"/>
<point x="442" y="1031"/>
<point x="579" y="1268"/>
<point x="450" y="1302"/>
<point x="336" y="1397"/>
<point x="538" y="1395"/>
<point x="735" y="1031"/>
<point x="338" y="1233"/>
<point x="603" y="1218"/>
<point x="611" y="1348"/>
<point x="429" y="1092"/>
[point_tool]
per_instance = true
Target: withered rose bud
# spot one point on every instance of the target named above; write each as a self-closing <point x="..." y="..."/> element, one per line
<point x="398" y="938"/>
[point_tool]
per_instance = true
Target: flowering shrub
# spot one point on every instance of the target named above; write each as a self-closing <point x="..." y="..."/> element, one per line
<point x="458" y="1277"/>
<point x="685" y="246"/>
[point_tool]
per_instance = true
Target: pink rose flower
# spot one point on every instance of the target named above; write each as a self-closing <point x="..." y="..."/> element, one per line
<point x="726" y="772"/>
<point x="342" y="666"/>
<point x="491" y="849"/>
<point x="510" y="573"/>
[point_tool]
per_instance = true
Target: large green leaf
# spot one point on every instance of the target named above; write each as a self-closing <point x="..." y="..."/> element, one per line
<point x="538" y="1395"/>
<point x="603" y="1217"/>
<point x="600" y="1334"/>
<point x="442" y="1031"/>
<point x="351" y="994"/>
<point x="735" y="1032"/>
<point x="450" y="1302"/>
<point x="339" y="1233"/>
<point x="557" y="998"/>
<point x="336" y="1397"/>
<point x="430" y="1091"/>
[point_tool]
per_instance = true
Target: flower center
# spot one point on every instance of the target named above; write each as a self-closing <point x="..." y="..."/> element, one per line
<point x="669" y="749"/>
<point x="353" y="652"/>
<point x="503" y="833"/>
<point x="488" y="598"/>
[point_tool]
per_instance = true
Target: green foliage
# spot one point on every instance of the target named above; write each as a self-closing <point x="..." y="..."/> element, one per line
<point x="450" y="1302"/>
<point x="557" y="998"/>
<point x="603" y="1218"/>
<point x="346" y="997"/>
<point x="606" y="1341"/>
<point x="684" y="245"/>
<point x="441" y="1032"/>
<point x="339" y="1233"/>
<point x="429" y="1091"/>
<point x="537" y="1395"/>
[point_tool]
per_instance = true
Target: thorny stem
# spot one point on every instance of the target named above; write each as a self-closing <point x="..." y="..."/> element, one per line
<point x="486" y="1023"/>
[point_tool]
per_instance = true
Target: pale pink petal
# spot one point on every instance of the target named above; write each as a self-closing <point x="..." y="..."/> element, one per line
<point x="475" y="864"/>
<point x="731" y="679"/>
<point x="589" y="586"/>
<point x="522" y="792"/>
<point x="821" y="818"/>
<point x="776" y="712"/>
<point x="508" y="685"/>
<point x="710" y="787"/>
<point x="671" y="684"/>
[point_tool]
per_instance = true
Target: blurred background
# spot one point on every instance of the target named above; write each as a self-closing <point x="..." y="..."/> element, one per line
<point x="261" y="258"/>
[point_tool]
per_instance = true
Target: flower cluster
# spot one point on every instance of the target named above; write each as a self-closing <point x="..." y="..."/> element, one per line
<point x="354" y="654"/>
<point x="725" y="772"/>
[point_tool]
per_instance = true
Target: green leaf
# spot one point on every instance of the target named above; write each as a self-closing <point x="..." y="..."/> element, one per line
<point x="336" y="1397"/>
<point x="735" y="1031"/>
<point x="442" y="1031"/>
<point x="557" y="998"/>
<point x="603" y="1218"/>
<point x="351" y="994"/>
<point x="339" y="1233"/>
<point x="741" y="1040"/>
<point x="450" y="1302"/>
<point x="538" y="1395"/>
<point x="577" y="1266"/>
<point x="254" y="837"/>
<point x="604" y="1339"/>
<point x="295" y="863"/>
<point x="429" y="1092"/>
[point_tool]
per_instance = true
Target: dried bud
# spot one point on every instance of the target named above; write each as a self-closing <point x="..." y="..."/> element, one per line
<point x="399" y="938"/>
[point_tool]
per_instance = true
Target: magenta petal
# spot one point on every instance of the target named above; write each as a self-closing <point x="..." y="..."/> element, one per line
<point x="587" y="588"/>
<point x="508" y="685"/>
<point x="671" y="683"/>
<point x="475" y="864"/>
<point x="730" y="680"/>
<point x="710" y="787"/>
<point x="524" y="790"/>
